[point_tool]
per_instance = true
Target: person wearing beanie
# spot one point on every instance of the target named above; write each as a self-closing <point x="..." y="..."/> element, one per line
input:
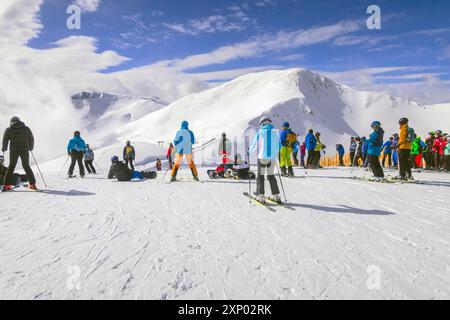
<point x="20" y="140"/>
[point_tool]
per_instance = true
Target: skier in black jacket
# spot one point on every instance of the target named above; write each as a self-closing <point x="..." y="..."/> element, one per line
<point x="21" y="141"/>
<point x="121" y="171"/>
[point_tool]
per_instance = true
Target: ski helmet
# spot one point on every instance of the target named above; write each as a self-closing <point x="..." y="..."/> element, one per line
<point x="128" y="143"/>
<point x="15" y="119"/>
<point x="286" y="125"/>
<point x="224" y="135"/>
<point x="438" y="132"/>
<point x="115" y="159"/>
<point x="376" y="124"/>
<point x="265" y="120"/>
<point x="317" y="134"/>
<point x="403" y="121"/>
<point x="77" y="133"/>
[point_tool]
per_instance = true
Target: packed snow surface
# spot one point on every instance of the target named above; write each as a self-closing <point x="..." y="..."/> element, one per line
<point x="101" y="239"/>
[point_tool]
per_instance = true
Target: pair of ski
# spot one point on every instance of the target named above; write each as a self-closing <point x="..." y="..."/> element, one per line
<point x="387" y="180"/>
<point x="269" y="204"/>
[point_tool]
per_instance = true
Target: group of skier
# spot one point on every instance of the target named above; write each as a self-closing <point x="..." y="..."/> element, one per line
<point x="405" y="148"/>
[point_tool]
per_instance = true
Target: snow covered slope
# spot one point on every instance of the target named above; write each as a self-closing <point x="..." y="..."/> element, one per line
<point x="103" y="109"/>
<point x="305" y="99"/>
<point x="152" y="240"/>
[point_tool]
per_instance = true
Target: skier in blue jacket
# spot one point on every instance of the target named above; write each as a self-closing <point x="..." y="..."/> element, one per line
<point x="374" y="146"/>
<point x="76" y="149"/>
<point x="341" y="151"/>
<point x="387" y="149"/>
<point x="267" y="143"/>
<point x="311" y="143"/>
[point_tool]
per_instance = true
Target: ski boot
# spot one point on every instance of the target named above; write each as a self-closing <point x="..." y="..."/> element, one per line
<point x="261" y="198"/>
<point x="6" y="188"/>
<point x="70" y="176"/>
<point x="196" y="179"/>
<point x="173" y="179"/>
<point x="32" y="187"/>
<point x="283" y="172"/>
<point x="290" y="172"/>
<point x="275" y="198"/>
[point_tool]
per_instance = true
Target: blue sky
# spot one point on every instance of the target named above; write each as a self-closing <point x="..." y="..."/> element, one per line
<point x="201" y="36"/>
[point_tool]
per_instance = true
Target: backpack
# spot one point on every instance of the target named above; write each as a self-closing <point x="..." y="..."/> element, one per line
<point x="291" y="137"/>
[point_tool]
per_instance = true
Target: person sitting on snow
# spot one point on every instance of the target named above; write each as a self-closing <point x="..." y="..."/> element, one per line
<point x="121" y="172"/>
<point x="17" y="179"/>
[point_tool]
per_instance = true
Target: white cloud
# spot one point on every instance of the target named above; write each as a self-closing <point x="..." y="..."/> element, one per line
<point x="292" y="57"/>
<point x="226" y="75"/>
<point x="263" y="44"/>
<point x="88" y="5"/>
<point x="18" y="21"/>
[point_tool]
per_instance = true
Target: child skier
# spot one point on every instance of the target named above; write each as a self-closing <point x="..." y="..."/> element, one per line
<point x="287" y="137"/>
<point x="129" y="155"/>
<point x="122" y="173"/>
<point x="302" y="154"/>
<point x="387" y="152"/>
<point x="158" y="165"/>
<point x="183" y="142"/>
<point x="374" y="145"/>
<point x="267" y="143"/>
<point x="341" y="152"/>
<point x="318" y="151"/>
<point x="76" y="149"/>
<point x="21" y="142"/>
<point x="89" y="160"/>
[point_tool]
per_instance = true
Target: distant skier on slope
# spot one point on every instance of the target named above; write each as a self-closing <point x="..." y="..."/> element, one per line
<point x="404" y="150"/>
<point x="352" y="149"/>
<point x="429" y="158"/>
<point x="225" y="150"/>
<point x="89" y="157"/>
<point x="311" y="143"/>
<point x="359" y="152"/>
<point x="295" y="150"/>
<point x="447" y="155"/>
<point x="129" y="155"/>
<point x="303" y="154"/>
<point x="374" y="145"/>
<point x="418" y="147"/>
<point x="267" y="144"/>
<point x="122" y="173"/>
<point x="318" y="151"/>
<point x="170" y="155"/>
<point x="395" y="150"/>
<point x="287" y="137"/>
<point x="158" y="165"/>
<point x="21" y="141"/>
<point x="76" y="149"/>
<point x="341" y="152"/>
<point x="183" y="142"/>
<point x="387" y="152"/>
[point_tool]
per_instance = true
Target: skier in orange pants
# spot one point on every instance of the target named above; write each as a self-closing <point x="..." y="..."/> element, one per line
<point x="183" y="142"/>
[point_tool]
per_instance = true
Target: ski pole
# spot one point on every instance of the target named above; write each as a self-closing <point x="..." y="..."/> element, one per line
<point x="281" y="180"/>
<point x="64" y="165"/>
<point x="99" y="167"/>
<point x="249" y="172"/>
<point x="37" y="166"/>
